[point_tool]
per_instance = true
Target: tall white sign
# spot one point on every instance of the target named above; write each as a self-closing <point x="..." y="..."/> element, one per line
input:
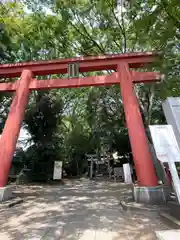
<point x="127" y="173"/>
<point x="171" y="108"/>
<point x="167" y="150"/>
<point x="165" y="142"/>
<point x="57" y="175"/>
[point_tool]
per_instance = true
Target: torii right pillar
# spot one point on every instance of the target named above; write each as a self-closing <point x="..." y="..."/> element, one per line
<point x="147" y="190"/>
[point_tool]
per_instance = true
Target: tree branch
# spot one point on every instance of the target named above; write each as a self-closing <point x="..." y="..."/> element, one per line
<point x="121" y="28"/>
<point x="165" y="6"/>
<point x="88" y="35"/>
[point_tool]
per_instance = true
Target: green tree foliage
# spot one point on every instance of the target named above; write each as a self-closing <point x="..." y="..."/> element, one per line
<point x="157" y="24"/>
<point x="40" y="125"/>
<point x="42" y="118"/>
<point x="66" y="124"/>
<point x="6" y="55"/>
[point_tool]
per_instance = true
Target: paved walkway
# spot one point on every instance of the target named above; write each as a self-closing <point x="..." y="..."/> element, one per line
<point x="76" y="211"/>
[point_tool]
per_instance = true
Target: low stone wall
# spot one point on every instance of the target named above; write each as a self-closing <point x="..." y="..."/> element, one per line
<point x="6" y="193"/>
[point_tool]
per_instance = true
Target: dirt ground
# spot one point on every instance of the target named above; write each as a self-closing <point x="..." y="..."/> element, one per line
<point x="76" y="210"/>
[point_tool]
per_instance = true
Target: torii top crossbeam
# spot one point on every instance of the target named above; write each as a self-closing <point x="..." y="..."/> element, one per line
<point x="86" y="64"/>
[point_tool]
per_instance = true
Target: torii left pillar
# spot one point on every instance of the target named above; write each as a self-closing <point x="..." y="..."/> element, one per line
<point x="12" y="126"/>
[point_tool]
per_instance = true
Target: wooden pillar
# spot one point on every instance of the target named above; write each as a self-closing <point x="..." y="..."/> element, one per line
<point x="140" y="149"/>
<point x="13" y="124"/>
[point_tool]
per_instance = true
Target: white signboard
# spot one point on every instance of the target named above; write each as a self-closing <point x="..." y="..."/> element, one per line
<point x="57" y="170"/>
<point x="165" y="143"/>
<point x="166" y="148"/>
<point x="171" y="108"/>
<point x="127" y="173"/>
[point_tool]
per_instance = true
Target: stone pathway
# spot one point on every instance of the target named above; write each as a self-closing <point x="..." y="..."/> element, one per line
<point x="76" y="211"/>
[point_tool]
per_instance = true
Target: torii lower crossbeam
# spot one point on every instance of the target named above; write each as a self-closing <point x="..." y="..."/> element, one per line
<point x="105" y="80"/>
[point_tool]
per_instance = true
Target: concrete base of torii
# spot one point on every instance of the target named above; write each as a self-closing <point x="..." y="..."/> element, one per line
<point x="151" y="195"/>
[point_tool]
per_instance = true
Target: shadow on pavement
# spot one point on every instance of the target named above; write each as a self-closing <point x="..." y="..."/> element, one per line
<point x="76" y="210"/>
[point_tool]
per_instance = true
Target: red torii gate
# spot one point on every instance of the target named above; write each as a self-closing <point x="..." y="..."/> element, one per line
<point x="121" y="63"/>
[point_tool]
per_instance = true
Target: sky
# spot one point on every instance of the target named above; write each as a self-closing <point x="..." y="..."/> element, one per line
<point x="22" y="139"/>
